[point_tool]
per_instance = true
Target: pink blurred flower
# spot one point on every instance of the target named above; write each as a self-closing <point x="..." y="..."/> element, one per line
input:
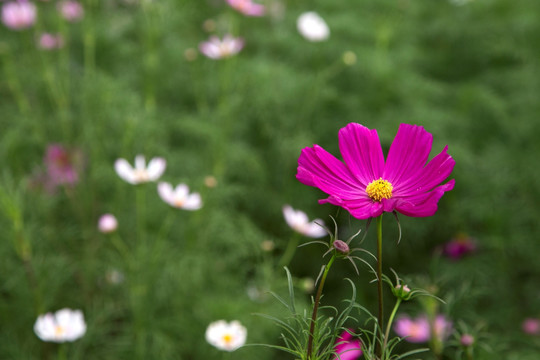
<point x="419" y="331"/>
<point x="18" y="15"/>
<point x="299" y="222"/>
<point x="71" y="10"/>
<point x="466" y="340"/>
<point x="61" y="165"/>
<point x="247" y="7"/>
<point x="215" y="48"/>
<point x="49" y="41"/>
<point x="366" y="185"/>
<point x="459" y="246"/>
<point x="531" y="326"/>
<point x="107" y="223"/>
<point x="347" y="347"/>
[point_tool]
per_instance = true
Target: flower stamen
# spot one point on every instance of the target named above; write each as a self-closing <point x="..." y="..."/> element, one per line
<point x="379" y="189"/>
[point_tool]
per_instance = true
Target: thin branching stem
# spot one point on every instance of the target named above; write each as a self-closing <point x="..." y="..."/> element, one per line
<point x="389" y="325"/>
<point x="316" y="307"/>
<point x="380" y="317"/>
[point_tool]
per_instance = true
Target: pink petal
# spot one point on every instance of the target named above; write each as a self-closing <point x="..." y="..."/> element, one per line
<point x="317" y="167"/>
<point x="408" y="154"/>
<point x="362" y="152"/>
<point x="423" y="204"/>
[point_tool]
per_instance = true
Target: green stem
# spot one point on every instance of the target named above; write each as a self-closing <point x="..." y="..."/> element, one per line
<point x="140" y="206"/>
<point x="61" y="352"/>
<point x="389" y="325"/>
<point x="316" y="307"/>
<point x="380" y="317"/>
<point x="289" y="252"/>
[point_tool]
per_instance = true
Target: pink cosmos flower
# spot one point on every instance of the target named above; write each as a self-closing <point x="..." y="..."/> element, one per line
<point x="61" y="166"/>
<point x="18" y="15"/>
<point x="215" y="48"/>
<point x="459" y="246"/>
<point x="347" y="348"/>
<point x="366" y="184"/>
<point x="531" y="326"/>
<point x="419" y="331"/>
<point x="71" y="10"/>
<point x="49" y="41"/>
<point x="247" y="7"/>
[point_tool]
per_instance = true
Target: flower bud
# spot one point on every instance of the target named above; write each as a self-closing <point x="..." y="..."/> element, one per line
<point x="402" y="291"/>
<point x="466" y="340"/>
<point x="107" y="223"/>
<point x="341" y="247"/>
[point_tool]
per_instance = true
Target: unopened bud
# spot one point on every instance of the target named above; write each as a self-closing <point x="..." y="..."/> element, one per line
<point x="341" y="246"/>
<point x="402" y="292"/>
<point x="466" y="340"/>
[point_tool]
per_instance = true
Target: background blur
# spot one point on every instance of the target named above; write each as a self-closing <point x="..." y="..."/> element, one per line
<point x="129" y="79"/>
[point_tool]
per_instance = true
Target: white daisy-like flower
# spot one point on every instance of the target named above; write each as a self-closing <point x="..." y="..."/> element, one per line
<point x="140" y="173"/>
<point x="312" y="27"/>
<point x="179" y="197"/>
<point x="226" y="336"/>
<point x="299" y="221"/>
<point x="216" y="48"/>
<point x="64" y="325"/>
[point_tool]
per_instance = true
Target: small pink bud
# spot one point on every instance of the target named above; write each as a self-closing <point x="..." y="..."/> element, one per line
<point x="341" y="246"/>
<point x="466" y="340"/>
<point x="531" y="326"/>
<point x="107" y="223"/>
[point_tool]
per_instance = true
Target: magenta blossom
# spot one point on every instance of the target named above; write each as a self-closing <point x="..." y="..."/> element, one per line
<point x="18" y="15"/>
<point x="247" y="7"/>
<point x="419" y="330"/>
<point x="49" y="41"/>
<point x="531" y="326"/>
<point x="71" y="10"/>
<point x="347" y="348"/>
<point x="459" y="246"/>
<point x="62" y="166"/>
<point x="366" y="185"/>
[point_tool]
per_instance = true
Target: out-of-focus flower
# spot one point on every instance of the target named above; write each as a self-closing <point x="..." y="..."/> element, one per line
<point x="64" y="325"/>
<point x="179" y="197"/>
<point x="312" y="27"/>
<point x="107" y="223"/>
<point x="366" y="185"/>
<point x="531" y="326"/>
<point x="210" y="181"/>
<point x="18" y="15"/>
<point x="140" y="173"/>
<point x="114" y="277"/>
<point x="190" y="54"/>
<point x="209" y="25"/>
<point x="226" y="336"/>
<point x="347" y="347"/>
<point x="71" y="10"/>
<point x="459" y="246"/>
<point x="466" y="340"/>
<point x="349" y="58"/>
<point x="61" y="165"/>
<point x="215" y="48"/>
<point x="419" y="330"/>
<point x="247" y="7"/>
<point x="299" y="221"/>
<point x="307" y="284"/>
<point x="48" y="41"/>
<point x="268" y="245"/>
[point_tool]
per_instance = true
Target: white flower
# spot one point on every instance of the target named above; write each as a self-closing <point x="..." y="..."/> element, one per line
<point x="299" y="221"/>
<point x="107" y="223"/>
<point x="216" y="48"/>
<point x="312" y="26"/>
<point x="226" y="336"/>
<point x="141" y="173"/>
<point x="64" y="325"/>
<point x="179" y="197"/>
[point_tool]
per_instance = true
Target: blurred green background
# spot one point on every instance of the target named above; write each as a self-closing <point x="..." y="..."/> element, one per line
<point x="130" y="80"/>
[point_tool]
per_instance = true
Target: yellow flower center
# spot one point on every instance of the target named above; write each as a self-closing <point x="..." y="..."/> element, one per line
<point x="227" y="338"/>
<point x="59" y="331"/>
<point x="379" y="189"/>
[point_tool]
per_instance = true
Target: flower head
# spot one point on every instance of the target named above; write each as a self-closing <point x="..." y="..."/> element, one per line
<point x="179" y="197"/>
<point x="299" y="222"/>
<point x="531" y="326"/>
<point x="347" y="347"/>
<point x="459" y="246"/>
<point x="107" y="223"/>
<point x="64" y="325"/>
<point x="312" y="27"/>
<point x="466" y="340"/>
<point x="247" y="7"/>
<point x="366" y="185"/>
<point x="61" y="165"/>
<point x="419" y="330"/>
<point x="71" y="10"/>
<point x="18" y="15"/>
<point x="226" y="336"/>
<point x="49" y="41"/>
<point x="215" y="48"/>
<point x="140" y="173"/>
